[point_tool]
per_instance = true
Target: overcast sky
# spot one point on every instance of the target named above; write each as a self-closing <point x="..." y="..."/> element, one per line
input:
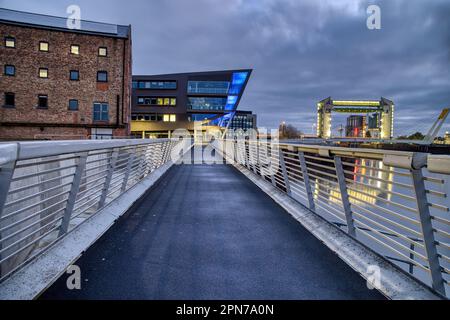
<point x="301" y="50"/>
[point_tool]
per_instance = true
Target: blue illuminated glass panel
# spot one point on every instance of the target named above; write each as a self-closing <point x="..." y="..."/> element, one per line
<point x="237" y="82"/>
<point x="231" y="103"/>
<point x="206" y="103"/>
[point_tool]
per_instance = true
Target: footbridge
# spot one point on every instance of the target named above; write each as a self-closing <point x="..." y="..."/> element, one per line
<point x="233" y="219"/>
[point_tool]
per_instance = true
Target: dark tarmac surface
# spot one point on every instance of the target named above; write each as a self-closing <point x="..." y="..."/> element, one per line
<point x="207" y="232"/>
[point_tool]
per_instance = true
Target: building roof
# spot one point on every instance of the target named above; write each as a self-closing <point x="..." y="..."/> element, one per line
<point x="36" y="20"/>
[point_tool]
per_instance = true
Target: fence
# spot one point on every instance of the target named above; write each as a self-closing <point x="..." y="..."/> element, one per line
<point x="394" y="202"/>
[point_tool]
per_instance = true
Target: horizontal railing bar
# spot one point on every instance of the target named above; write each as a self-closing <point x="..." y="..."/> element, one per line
<point x="21" y="210"/>
<point x="9" y="236"/>
<point x="39" y="173"/>
<point x="415" y="263"/>
<point x="382" y="190"/>
<point x="403" y="174"/>
<point x="41" y="149"/>
<point x="34" y="195"/>
<point x="39" y="163"/>
<point x="385" y="210"/>
<point x="407" y="238"/>
<point x="394" y="183"/>
<point x="396" y="204"/>
<point x="395" y="243"/>
<point x="31" y="216"/>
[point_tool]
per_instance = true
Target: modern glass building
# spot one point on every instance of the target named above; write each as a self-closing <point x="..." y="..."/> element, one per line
<point x="163" y="103"/>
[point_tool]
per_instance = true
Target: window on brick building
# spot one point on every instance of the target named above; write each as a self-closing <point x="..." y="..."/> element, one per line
<point x="102" y="52"/>
<point x="75" y="49"/>
<point x="10" y="70"/>
<point x="74" y="75"/>
<point x="43" y="73"/>
<point x="42" y="101"/>
<point x="101" y="112"/>
<point x="73" y="105"/>
<point x="10" y="42"/>
<point x="43" y="46"/>
<point x="9" y="99"/>
<point x="102" y="76"/>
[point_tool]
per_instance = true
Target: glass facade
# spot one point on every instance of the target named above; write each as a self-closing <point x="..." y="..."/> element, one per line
<point x="171" y="85"/>
<point x="208" y="87"/>
<point x="206" y="103"/>
<point x="200" y="116"/>
<point x="157" y="101"/>
<point x="244" y="122"/>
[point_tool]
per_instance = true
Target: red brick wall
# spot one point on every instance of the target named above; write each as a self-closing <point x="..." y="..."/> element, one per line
<point x="26" y="84"/>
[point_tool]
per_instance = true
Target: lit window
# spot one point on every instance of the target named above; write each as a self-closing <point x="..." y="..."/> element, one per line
<point x="42" y="101"/>
<point x="10" y="70"/>
<point x="102" y="76"/>
<point x="43" y="46"/>
<point x="102" y="52"/>
<point x="101" y="112"/>
<point x="9" y="99"/>
<point x="166" y="101"/>
<point x="173" y="101"/>
<point x="10" y="42"/>
<point x="160" y="101"/>
<point x="74" y="75"/>
<point x="43" y="73"/>
<point x="169" y="118"/>
<point x="73" y="105"/>
<point x="75" y="49"/>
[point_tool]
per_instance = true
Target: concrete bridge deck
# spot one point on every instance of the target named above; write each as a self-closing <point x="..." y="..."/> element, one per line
<point x="207" y="232"/>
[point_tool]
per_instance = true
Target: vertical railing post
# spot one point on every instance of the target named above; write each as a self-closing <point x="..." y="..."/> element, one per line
<point x="272" y="167"/>
<point x="284" y="172"/>
<point x="247" y="155"/>
<point x="235" y="152"/>
<point x="255" y="161"/>
<point x="6" y="174"/>
<point x="128" y="170"/>
<point x="344" y="196"/>
<point x="75" y="187"/>
<point x="109" y="174"/>
<point x="304" y="168"/>
<point x="427" y="230"/>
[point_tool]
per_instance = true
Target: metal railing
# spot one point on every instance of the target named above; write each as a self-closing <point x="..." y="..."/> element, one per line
<point x="49" y="188"/>
<point x="394" y="202"/>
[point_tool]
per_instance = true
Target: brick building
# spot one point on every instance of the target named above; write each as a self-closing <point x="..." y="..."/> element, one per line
<point x="61" y="83"/>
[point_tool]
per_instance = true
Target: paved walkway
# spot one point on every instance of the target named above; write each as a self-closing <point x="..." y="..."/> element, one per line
<point x="207" y="232"/>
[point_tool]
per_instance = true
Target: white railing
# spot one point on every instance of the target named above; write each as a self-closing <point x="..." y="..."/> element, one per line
<point x="394" y="202"/>
<point x="48" y="188"/>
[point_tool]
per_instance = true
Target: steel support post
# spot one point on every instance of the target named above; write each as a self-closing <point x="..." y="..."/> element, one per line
<point x="75" y="187"/>
<point x="344" y="196"/>
<point x="111" y="168"/>
<point x="6" y="174"/>
<point x="427" y="230"/>
<point x="312" y="205"/>
<point x="284" y="172"/>
<point x="127" y="172"/>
